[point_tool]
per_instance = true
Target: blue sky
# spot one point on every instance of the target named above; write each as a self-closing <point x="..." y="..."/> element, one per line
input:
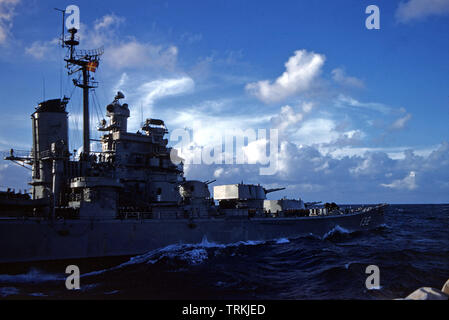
<point x="362" y="114"/>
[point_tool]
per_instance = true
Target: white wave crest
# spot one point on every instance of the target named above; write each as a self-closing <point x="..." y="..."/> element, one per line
<point x="191" y="253"/>
<point x="282" y="241"/>
<point x="335" y="230"/>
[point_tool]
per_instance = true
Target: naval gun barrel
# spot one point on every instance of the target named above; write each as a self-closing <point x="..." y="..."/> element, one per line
<point x="272" y="190"/>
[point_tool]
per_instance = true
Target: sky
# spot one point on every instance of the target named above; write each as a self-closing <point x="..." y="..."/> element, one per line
<point x="361" y="114"/>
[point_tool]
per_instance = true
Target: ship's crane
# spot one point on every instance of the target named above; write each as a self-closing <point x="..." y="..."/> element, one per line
<point x="21" y="158"/>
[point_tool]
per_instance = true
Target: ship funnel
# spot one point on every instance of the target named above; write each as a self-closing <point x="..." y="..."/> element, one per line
<point x="50" y="144"/>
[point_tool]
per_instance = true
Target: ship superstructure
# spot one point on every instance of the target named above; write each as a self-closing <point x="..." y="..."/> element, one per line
<point x="133" y="172"/>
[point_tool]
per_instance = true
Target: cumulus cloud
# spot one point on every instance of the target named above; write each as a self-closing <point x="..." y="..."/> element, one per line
<point x="339" y="75"/>
<point x="395" y="153"/>
<point x="42" y="49"/>
<point x="407" y="183"/>
<point x="7" y="13"/>
<point x="370" y="178"/>
<point x="133" y="54"/>
<point x="310" y="166"/>
<point x="205" y="131"/>
<point x="420" y="9"/>
<point x="347" y="138"/>
<point x="316" y="131"/>
<point x="127" y="52"/>
<point x="308" y="161"/>
<point x="301" y="70"/>
<point x="286" y="118"/>
<point x="255" y="151"/>
<point x="107" y="21"/>
<point x="371" y="164"/>
<point x="120" y="52"/>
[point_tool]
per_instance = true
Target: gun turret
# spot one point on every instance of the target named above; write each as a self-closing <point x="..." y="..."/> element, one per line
<point x="311" y="204"/>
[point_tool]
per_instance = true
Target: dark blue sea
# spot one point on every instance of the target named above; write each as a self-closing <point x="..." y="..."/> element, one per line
<point x="411" y="251"/>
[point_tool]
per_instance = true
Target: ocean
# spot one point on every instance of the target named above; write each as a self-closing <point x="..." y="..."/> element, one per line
<point x="411" y="250"/>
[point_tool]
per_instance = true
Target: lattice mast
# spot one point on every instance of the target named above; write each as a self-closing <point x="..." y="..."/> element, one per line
<point x="83" y="61"/>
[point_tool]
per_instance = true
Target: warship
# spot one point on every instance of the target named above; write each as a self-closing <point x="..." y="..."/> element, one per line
<point x="130" y="198"/>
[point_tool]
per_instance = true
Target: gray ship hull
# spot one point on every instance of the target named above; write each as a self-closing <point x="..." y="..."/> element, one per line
<point x="39" y="240"/>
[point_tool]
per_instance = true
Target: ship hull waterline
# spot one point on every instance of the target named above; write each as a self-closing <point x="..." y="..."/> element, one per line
<point x="37" y="240"/>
